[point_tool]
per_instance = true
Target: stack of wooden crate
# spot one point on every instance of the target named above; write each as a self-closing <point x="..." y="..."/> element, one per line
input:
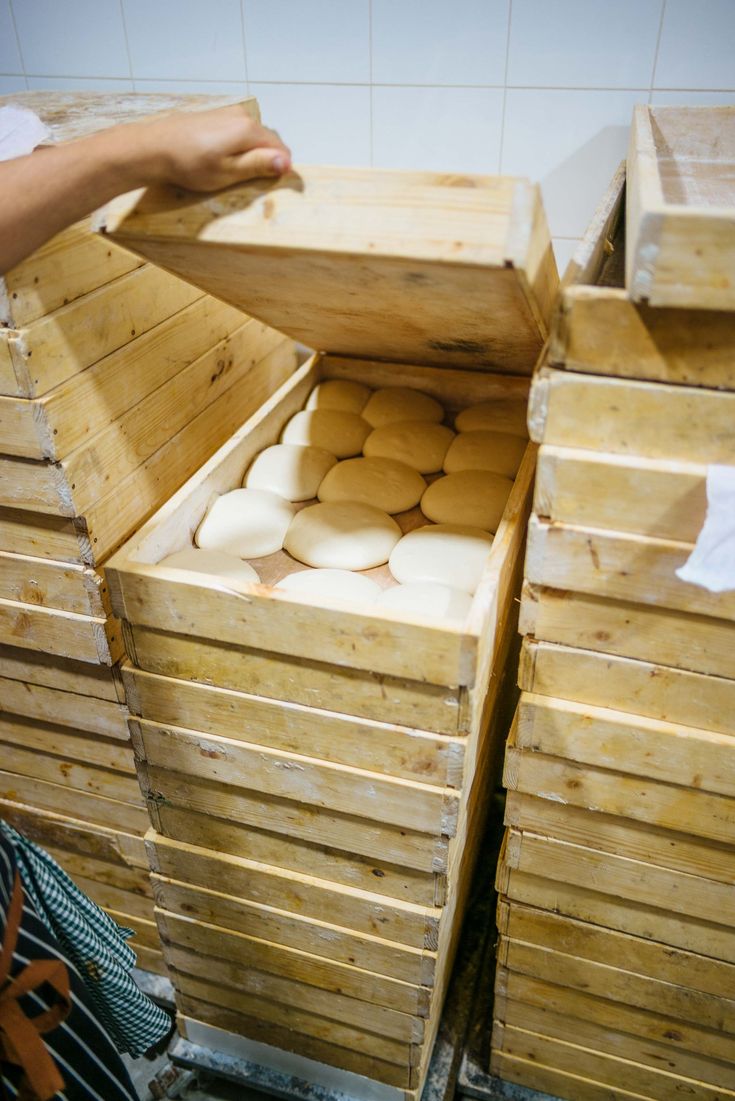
<point x="616" y="958"/>
<point x="318" y="774"/>
<point x="117" y="381"/>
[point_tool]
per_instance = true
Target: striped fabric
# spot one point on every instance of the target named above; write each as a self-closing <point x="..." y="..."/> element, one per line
<point x="94" y="944"/>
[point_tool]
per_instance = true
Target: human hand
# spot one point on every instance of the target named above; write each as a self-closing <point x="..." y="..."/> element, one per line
<point x="204" y="150"/>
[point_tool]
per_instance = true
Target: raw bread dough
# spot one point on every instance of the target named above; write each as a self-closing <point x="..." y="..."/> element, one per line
<point x="427" y="598"/>
<point x="499" y="452"/>
<point x="216" y="564"/>
<point x="342" y="535"/>
<point x="504" y="415"/>
<point x="419" y="444"/>
<point x="474" y="498"/>
<point x="400" y="403"/>
<point x="332" y="585"/>
<point x="341" y="433"/>
<point x="445" y="554"/>
<point x="384" y="483"/>
<point x="337" y="393"/>
<point x="249" y="523"/>
<point x="290" y="470"/>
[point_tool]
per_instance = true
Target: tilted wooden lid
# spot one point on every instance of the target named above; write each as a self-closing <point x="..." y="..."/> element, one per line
<point x="402" y="266"/>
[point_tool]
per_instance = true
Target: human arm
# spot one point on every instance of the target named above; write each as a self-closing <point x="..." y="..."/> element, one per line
<point x="54" y="186"/>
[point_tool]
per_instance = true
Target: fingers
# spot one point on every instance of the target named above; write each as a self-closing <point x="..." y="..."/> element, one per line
<point x="260" y="162"/>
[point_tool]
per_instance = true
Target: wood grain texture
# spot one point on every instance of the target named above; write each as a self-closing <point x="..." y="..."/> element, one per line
<point x="84" y="805"/>
<point x="64" y="634"/>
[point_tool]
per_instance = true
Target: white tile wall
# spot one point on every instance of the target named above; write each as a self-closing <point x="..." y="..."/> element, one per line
<point x="539" y="87"/>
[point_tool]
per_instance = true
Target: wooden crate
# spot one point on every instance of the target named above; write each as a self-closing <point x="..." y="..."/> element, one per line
<point x="680" y="222"/>
<point x="599" y="329"/>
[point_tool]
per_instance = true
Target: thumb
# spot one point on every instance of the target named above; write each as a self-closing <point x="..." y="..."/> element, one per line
<point x="259" y="162"/>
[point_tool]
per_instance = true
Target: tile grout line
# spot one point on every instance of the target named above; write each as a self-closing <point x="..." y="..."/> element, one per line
<point x="127" y="45"/>
<point x="370" y="63"/>
<point x="656" y="51"/>
<point x="244" y="47"/>
<point x="505" y="88"/>
<point x="17" y="43"/>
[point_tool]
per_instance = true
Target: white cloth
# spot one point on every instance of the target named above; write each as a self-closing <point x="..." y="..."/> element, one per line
<point x="21" y="131"/>
<point x="712" y="562"/>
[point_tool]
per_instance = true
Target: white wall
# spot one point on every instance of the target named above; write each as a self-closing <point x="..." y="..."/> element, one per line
<point x="543" y="88"/>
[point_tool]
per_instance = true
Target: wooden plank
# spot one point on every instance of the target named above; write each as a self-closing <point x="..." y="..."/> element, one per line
<point x="356" y="692"/>
<point x="18" y="432"/>
<point x="129" y="881"/>
<point x="63" y="741"/>
<point x="110" y="897"/>
<point x="291" y="853"/>
<point x="336" y="943"/>
<point x="323" y="972"/>
<point x="98" y="682"/>
<point x="150" y="959"/>
<point x="549" y="1080"/>
<point x="627" y="417"/>
<point x="8" y="380"/>
<point x="421" y="807"/>
<point x="62" y="585"/>
<point x="364" y="1015"/>
<point x="660" y="635"/>
<point x="620" y="836"/>
<point x="86" y="806"/>
<point x="625" y="1076"/>
<point x="619" y="566"/>
<point x="105" y="718"/>
<point x="145" y="932"/>
<point x="680" y="226"/>
<point x="629" y="743"/>
<point x="287" y="1040"/>
<point x="71" y="773"/>
<point x="658" y="1057"/>
<point x="310" y="732"/>
<point x="615" y="912"/>
<point x="77" y="410"/>
<point x="668" y="1037"/>
<point x="608" y="873"/>
<point x="111" y="851"/>
<point x="363" y="911"/>
<point x="652" y="497"/>
<point x="55" y="347"/>
<point x="28" y="484"/>
<point x="639" y="687"/>
<point x="43" y="536"/>
<point x="74" y="262"/>
<point x="469" y="278"/>
<point x="66" y="634"/>
<point x="361" y="836"/>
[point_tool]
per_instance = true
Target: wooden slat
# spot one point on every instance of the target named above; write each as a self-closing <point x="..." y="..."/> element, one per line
<point x="105" y="718"/>
<point x="83" y="805"/>
<point x="549" y="1080"/>
<point x="110" y="897"/>
<point x="65" y="634"/>
<point x="62" y="585"/>
<point x="98" y="682"/>
<point x="43" y="536"/>
<point x="70" y="772"/>
<point x="111" y="851"/>
<point x="63" y="741"/>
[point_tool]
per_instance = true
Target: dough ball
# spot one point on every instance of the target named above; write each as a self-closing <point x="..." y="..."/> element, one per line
<point x="504" y="415"/>
<point x="496" y="451"/>
<point x="399" y="403"/>
<point x="215" y="563"/>
<point x="290" y="470"/>
<point x="427" y="598"/>
<point x="473" y="498"/>
<point x="332" y="585"/>
<point x="249" y="523"/>
<point x="443" y="554"/>
<point x="384" y="483"/>
<point x="341" y="433"/>
<point x="342" y="535"/>
<point x="419" y="444"/>
<point x="335" y="393"/>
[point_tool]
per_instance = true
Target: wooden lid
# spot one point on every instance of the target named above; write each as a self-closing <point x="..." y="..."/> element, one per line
<point x="402" y="266"/>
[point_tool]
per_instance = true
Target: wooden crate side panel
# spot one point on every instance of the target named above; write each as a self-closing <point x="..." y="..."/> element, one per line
<point x="19" y="433"/>
<point x="129" y="881"/>
<point x="65" y="634"/>
<point x="401" y="923"/>
<point x="64" y="741"/>
<point x="106" y="718"/>
<point x="639" y="687"/>
<point x="660" y="635"/>
<point x="70" y="588"/>
<point x="111" y="897"/>
<point x="355" y="692"/>
<point x="85" y="805"/>
<point x="43" y="536"/>
<point x="9" y="384"/>
<point x="31" y="485"/>
<point x="66" y="675"/>
<point x="549" y="1080"/>
<point x="68" y="772"/>
<point x="118" y="852"/>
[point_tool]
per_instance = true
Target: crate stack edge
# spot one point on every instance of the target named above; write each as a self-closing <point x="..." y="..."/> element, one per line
<point x="616" y="953"/>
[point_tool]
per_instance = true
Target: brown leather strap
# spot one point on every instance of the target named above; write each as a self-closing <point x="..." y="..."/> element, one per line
<point x="20" y="1035"/>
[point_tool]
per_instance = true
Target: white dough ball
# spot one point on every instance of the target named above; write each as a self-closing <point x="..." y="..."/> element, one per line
<point x="419" y="444"/>
<point x="247" y="522"/>
<point x="444" y="554"/>
<point x="472" y="498"/>
<point x="499" y="452"/>
<point x="342" y="535"/>
<point x="290" y="470"/>
<point x="503" y="415"/>
<point x="427" y="598"/>
<point x="334" y="585"/>
<point x="216" y="564"/>
<point x="341" y="433"/>
<point x="384" y="483"/>
<point x="400" y="403"/>
<point x="337" y="393"/>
